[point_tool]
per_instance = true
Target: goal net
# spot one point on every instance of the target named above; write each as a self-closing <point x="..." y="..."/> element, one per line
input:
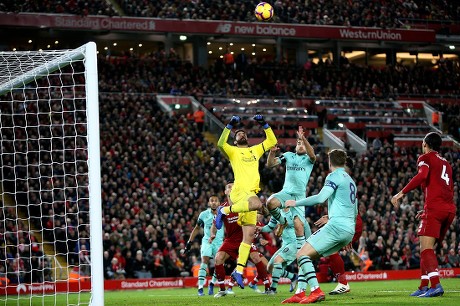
<point x="51" y="215"/>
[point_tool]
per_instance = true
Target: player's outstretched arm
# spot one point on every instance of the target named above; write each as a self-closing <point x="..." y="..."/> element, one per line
<point x="222" y="142"/>
<point x="188" y="245"/>
<point x="416" y="181"/>
<point x="272" y="160"/>
<point x="270" y="140"/>
<point x="213" y="232"/>
<point x="194" y="232"/>
<point x="310" y="150"/>
<point x="319" y="198"/>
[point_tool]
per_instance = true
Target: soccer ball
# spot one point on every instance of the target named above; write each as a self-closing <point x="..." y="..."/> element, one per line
<point x="263" y="11"/>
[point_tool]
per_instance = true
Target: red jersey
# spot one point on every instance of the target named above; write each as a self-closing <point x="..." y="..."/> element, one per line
<point x="435" y="178"/>
<point x="233" y="230"/>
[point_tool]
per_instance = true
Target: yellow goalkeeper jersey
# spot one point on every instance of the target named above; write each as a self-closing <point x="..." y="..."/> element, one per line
<point x="245" y="161"/>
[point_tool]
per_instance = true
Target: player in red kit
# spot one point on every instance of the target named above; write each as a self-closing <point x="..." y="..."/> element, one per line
<point x="435" y="177"/>
<point x="230" y="246"/>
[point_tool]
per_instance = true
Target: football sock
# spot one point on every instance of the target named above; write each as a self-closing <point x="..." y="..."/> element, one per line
<point x="202" y="275"/>
<point x="338" y="267"/>
<point x="430" y="264"/>
<point x="301" y="282"/>
<point x="220" y="273"/>
<point x="276" y="213"/>
<point x="267" y="283"/>
<point x="309" y="271"/>
<point x="261" y="271"/>
<point x="243" y="254"/>
<point x="214" y="277"/>
<point x="276" y="274"/>
<point x="288" y="274"/>
<point x="434" y="278"/>
<point x="424" y="279"/>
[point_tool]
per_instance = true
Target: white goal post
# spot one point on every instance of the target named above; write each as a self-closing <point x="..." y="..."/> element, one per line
<point x="51" y="215"/>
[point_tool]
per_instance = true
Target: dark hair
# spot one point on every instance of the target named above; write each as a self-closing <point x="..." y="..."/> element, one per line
<point x="349" y="163"/>
<point x="337" y="157"/>
<point x="433" y="140"/>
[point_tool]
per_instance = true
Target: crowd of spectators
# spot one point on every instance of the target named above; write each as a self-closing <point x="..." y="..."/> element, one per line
<point x="21" y="256"/>
<point x="74" y="7"/>
<point x="161" y="72"/>
<point x="365" y="13"/>
<point x="167" y="73"/>
<point x="385" y="14"/>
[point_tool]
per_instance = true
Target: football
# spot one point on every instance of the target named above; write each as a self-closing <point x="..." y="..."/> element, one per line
<point x="263" y="11"/>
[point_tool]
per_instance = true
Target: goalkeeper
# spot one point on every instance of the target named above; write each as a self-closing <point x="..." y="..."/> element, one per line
<point x="244" y="160"/>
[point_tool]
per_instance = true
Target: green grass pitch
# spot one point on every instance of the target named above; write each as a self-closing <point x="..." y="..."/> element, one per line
<point x="362" y="293"/>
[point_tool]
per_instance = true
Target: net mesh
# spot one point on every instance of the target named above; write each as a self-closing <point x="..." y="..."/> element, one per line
<point x="44" y="220"/>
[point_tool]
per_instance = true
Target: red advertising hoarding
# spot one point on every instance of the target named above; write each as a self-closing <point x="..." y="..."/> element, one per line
<point x="189" y="282"/>
<point x="130" y="24"/>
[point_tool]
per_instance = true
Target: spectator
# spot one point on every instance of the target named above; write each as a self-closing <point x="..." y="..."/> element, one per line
<point x="198" y="116"/>
<point x="107" y="264"/>
<point x="376" y="144"/>
<point x="140" y="267"/>
<point x="159" y="269"/>
<point x="396" y="261"/>
<point x="115" y="270"/>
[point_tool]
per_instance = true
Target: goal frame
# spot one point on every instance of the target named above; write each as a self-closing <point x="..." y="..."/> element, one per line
<point x="88" y="52"/>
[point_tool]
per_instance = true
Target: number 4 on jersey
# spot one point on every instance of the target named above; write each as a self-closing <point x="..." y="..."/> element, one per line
<point x="444" y="175"/>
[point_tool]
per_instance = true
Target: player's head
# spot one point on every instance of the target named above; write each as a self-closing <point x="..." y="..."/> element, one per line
<point x="337" y="158"/>
<point x="213" y="202"/>
<point x="241" y="138"/>
<point x="431" y="142"/>
<point x="300" y="147"/>
<point x="349" y="165"/>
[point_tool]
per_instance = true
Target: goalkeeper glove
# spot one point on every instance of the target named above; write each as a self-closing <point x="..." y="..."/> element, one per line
<point x="260" y="119"/>
<point x="235" y="120"/>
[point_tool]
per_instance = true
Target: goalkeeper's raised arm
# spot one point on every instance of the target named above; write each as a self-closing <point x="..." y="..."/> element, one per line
<point x="270" y="141"/>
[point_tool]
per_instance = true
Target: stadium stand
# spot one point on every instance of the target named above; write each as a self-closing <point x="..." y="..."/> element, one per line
<point x="75" y="7"/>
<point x="439" y="15"/>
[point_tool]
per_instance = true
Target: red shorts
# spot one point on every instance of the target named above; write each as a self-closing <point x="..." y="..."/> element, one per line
<point x="358" y="229"/>
<point x="435" y="224"/>
<point x="232" y="247"/>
